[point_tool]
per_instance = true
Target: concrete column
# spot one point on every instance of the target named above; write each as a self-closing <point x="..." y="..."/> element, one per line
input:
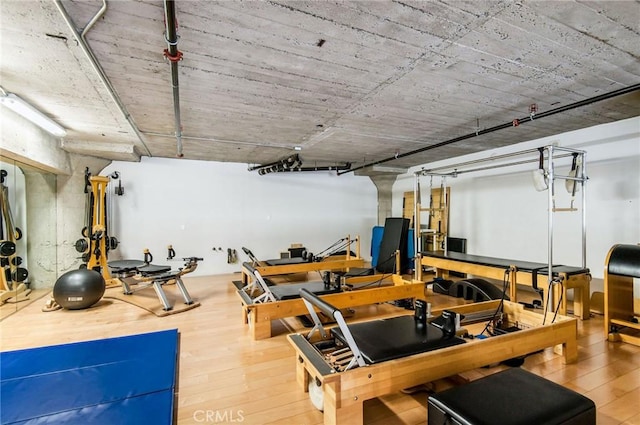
<point x="22" y="141"/>
<point x="384" y="184"/>
<point x="41" y="235"/>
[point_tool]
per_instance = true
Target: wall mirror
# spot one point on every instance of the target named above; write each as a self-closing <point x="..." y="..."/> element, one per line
<point x="27" y="235"/>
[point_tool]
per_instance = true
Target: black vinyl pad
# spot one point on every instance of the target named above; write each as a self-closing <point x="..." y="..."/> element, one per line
<point x="525" y="266"/>
<point x="152" y="269"/>
<point x="394" y="238"/>
<point x="625" y="260"/>
<point x="290" y="291"/>
<point x="359" y="271"/>
<point x="125" y="265"/>
<point x="397" y="337"/>
<point x="511" y="397"/>
<point x="285" y="261"/>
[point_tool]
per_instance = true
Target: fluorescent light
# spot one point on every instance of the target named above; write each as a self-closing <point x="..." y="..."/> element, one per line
<point x="297" y="148"/>
<point x="21" y="107"/>
<point x="387" y="169"/>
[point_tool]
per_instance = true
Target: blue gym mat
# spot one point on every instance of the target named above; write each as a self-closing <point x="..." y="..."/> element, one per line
<point x="126" y="380"/>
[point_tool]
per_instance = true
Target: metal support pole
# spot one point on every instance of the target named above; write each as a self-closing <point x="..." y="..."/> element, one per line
<point x="551" y="179"/>
<point x="417" y="272"/>
<point x="584" y="210"/>
<point x="174" y="55"/>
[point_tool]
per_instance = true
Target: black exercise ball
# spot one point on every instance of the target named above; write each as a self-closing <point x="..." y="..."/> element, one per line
<point x="78" y="289"/>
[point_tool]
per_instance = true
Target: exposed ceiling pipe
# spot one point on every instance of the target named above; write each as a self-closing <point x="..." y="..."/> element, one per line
<point x="174" y="55"/>
<point x="344" y="166"/>
<point x="84" y="46"/>
<point x="289" y="162"/>
<point x="293" y="163"/>
<point x="276" y="169"/>
<point x="515" y="122"/>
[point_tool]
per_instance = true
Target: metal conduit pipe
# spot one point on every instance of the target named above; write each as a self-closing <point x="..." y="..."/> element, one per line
<point x="82" y="42"/>
<point x="269" y="170"/>
<point x="458" y="168"/>
<point x="476" y="161"/>
<point x="174" y="55"/>
<point x="537" y="116"/>
<point x="289" y="162"/>
<point x="293" y="163"/>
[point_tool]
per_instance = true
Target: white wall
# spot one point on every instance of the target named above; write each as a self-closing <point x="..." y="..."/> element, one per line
<point x="502" y="215"/>
<point x="197" y="205"/>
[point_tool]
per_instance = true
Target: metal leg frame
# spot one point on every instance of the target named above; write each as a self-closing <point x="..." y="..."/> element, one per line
<point x="157" y="286"/>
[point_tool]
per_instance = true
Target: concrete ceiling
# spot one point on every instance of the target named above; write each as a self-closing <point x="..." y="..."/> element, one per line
<point x="348" y="82"/>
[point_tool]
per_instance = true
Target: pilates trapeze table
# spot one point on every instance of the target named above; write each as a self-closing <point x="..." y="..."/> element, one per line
<point x="519" y="272"/>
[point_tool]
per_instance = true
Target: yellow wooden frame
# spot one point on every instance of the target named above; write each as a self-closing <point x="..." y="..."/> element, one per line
<point x="333" y="262"/>
<point x="259" y="316"/>
<point x="345" y="392"/>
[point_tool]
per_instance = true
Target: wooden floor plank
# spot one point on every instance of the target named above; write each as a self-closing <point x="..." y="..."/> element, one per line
<point x="226" y="376"/>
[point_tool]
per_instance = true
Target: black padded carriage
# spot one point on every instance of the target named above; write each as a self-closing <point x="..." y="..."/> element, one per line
<point x="383" y="339"/>
<point x="393" y="338"/>
<point x="282" y="292"/>
<point x="273" y="262"/>
<point x="292" y="290"/>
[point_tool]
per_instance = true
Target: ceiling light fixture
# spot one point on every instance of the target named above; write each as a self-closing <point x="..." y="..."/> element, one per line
<point x="387" y="169"/>
<point x="297" y="148"/>
<point x="26" y="110"/>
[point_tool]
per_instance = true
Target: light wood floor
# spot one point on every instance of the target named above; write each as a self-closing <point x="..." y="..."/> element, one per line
<point x="238" y="380"/>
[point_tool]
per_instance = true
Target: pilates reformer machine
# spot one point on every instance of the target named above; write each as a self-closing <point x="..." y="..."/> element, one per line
<point x="621" y="316"/>
<point x="281" y="301"/>
<point x="552" y="285"/>
<point x="335" y="257"/>
<point x="136" y="275"/>
<point x="346" y="365"/>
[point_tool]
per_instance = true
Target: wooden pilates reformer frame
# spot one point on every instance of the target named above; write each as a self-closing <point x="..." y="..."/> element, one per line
<point x="344" y="391"/>
<point x="332" y="262"/>
<point x="260" y="311"/>
<point x="563" y="278"/>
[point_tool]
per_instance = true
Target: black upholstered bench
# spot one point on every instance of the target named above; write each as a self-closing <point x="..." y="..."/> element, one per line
<point x="511" y="397"/>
